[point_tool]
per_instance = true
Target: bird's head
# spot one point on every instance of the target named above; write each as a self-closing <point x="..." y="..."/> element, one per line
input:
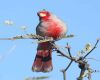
<point x="43" y="15"/>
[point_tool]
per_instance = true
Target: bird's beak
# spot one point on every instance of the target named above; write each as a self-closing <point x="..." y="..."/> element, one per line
<point x="42" y="14"/>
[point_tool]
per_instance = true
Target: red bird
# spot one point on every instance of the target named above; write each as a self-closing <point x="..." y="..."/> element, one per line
<point x="49" y="26"/>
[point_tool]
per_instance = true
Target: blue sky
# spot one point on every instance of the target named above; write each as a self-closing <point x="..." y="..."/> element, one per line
<point x="82" y="17"/>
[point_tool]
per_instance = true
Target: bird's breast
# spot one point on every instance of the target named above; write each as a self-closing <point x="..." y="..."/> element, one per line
<point x="53" y="29"/>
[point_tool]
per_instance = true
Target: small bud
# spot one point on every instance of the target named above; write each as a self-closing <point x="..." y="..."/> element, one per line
<point x="88" y="47"/>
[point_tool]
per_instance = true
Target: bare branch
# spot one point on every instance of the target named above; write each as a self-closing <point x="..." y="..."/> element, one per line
<point x="91" y="49"/>
<point x="82" y="63"/>
<point x="58" y="51"/>
<point x="81" y="75"/>
<point x="64" y="74"/>
<point x="6" y="38"/>
<point x="89" y="74"/>
<point x="84" y="66"/>
<point x="64" y="71"/>
<point x="68" y="66"/>
<point x="28" y="36"/>
<point x="68" y="47"/>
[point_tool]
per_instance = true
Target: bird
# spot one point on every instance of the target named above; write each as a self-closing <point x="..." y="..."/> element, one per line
<point x="49" y="26"/>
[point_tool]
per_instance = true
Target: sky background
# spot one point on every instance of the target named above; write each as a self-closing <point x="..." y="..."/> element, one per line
<point x="82" y="17"/>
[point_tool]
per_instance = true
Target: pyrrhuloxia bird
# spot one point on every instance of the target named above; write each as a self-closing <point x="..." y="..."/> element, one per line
<point x="49" y="26"/>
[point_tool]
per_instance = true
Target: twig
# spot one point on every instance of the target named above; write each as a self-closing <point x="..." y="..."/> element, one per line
<point x="73" y="58"/>
<point x="64" y="70"/>
<point x="84" y="65"/>
<point x="27" y="36"/>
<point x="64" y="74"/>
<point x="68" y="66"/>
<point x="6" y="38"/>
<point x="91" y="49"/>
<point x="58" y="51"/>
<point x="94" y="59"/>
<point x="62" y="54"/>
<point x="68" y="47"/>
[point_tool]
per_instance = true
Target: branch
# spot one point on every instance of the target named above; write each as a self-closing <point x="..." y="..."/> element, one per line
<point x="89" y="74"/>
<point x="33" y="36"/>
<point x="68" y="47"/>
<point x="70" y="57"/>
<point x="62" y="54"/>
<point x="91" y="49"/>
<point x="68" y="66"/>
<point x="37" y="78"/>
<point x="81" y="75"/>
<point x="84" y="67"/>
<point x="64" y="74"/>
<point x="82" y="64"/>
<point x="73" y="58"/>
<point x="64" y="70"/>
<point x="29" y="36"/>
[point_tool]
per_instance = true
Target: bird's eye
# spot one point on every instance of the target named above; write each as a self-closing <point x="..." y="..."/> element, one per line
<point x="42" y="14"/>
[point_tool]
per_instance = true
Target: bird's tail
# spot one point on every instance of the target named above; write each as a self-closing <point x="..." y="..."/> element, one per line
<point x="43" y="59"/>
